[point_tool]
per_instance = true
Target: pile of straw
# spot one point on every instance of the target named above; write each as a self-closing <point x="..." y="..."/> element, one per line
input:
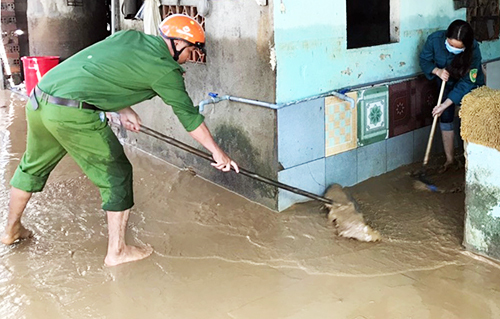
<point x="480" y="114"/>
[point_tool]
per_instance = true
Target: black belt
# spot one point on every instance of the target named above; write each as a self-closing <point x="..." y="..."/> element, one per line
<point x="61" y="101"/>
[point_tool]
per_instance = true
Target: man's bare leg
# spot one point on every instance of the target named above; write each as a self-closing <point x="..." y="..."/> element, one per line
<point x="118" y="251"/>
<point x="14" y="229"/>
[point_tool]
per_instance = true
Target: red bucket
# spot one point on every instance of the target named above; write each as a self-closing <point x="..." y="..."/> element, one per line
<point x="35" y="67"/>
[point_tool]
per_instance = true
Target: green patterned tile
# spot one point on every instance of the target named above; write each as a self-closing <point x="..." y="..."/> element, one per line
<point x="373" y="115"/>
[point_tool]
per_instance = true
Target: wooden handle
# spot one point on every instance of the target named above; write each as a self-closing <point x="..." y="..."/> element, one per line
<point x="434" y="123"/>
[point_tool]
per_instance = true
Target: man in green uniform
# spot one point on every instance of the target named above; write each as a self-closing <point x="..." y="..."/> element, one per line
<point x="65" y="115"/>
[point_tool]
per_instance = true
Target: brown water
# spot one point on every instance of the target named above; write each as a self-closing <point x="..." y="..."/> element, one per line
<point x="218" y="255"/>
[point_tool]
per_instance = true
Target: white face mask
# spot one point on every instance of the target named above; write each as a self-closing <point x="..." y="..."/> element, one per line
<point x="452" y="49"/>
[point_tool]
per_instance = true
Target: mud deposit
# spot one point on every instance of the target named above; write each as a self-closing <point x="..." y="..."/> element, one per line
<point x="346" y="218"/>
<point x="217" y="255"/>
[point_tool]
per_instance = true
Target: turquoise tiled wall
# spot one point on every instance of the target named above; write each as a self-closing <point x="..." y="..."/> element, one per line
<point x="301" y="140"/>
<point x="302" y="143"/>
<point x="354" y="166"/>
<point x="301" y="150"/>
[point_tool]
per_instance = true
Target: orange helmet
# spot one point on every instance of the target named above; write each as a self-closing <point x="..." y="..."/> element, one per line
<point x="182" y="27"/>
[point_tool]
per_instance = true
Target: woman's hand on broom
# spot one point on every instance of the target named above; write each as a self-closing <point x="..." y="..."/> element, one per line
<point x="439" y="109"/>
<point x="442" y="74"/>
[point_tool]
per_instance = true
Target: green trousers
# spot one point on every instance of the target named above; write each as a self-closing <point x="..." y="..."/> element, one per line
<point x="54" y="131"/>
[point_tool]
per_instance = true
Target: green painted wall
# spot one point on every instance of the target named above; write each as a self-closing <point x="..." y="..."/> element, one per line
<point x="311" y="45"/>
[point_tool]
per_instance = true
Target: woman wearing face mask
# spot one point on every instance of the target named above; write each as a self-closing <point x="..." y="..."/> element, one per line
<point x="452" y="56"/>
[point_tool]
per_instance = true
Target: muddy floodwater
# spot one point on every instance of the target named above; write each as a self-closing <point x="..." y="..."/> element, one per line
<point x="218" y="255"/>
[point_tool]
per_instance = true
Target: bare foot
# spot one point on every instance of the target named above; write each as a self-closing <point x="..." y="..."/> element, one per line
<point x="128" y="254"/>
<point x="445" y="167"/>
<point x="17" y="232"/>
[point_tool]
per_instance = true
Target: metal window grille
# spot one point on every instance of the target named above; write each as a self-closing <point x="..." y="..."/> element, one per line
<point x="192" y="11"/>
<point x="74" y="3"/>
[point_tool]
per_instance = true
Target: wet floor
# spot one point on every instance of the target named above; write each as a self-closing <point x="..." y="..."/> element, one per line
<point x="218" y="255"/>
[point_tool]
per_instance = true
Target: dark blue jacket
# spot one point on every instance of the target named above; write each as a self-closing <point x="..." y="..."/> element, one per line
<point x="435" y="54"/>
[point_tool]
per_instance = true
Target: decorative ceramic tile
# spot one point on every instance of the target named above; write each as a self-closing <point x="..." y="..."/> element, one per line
<point x="373" y="119"/>
<point x="341" y="124"/>
<point x="301" y="133"/>
<point x="401" y="119"/>
<point x="426" y="94"/>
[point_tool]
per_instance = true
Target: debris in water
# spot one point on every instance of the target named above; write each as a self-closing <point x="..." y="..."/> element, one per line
<point x="190" y="170"/>
<point x="347" y="219"/>
<point x="421" y="186"/>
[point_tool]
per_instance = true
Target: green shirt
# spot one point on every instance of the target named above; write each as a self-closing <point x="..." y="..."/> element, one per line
<point x="122" y="70"/>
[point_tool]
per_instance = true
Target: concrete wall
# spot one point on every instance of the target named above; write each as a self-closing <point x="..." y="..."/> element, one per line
<point x="126" y="24"/>
<point x="311" y="46"/>
<point x="482" y="203"/>
<point x="58" y="29"/>
<point x="239" y="42"/>
<point x="482" y="226"/>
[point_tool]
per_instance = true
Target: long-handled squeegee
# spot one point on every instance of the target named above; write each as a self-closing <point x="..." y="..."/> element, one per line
<point x="243" y="171"/>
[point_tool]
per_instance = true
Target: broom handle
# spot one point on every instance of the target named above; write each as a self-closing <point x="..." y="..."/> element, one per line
<point x="434" y="123"/>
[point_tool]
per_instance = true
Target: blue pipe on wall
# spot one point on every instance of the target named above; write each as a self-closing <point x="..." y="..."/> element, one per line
<point x="214" y="98"/>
